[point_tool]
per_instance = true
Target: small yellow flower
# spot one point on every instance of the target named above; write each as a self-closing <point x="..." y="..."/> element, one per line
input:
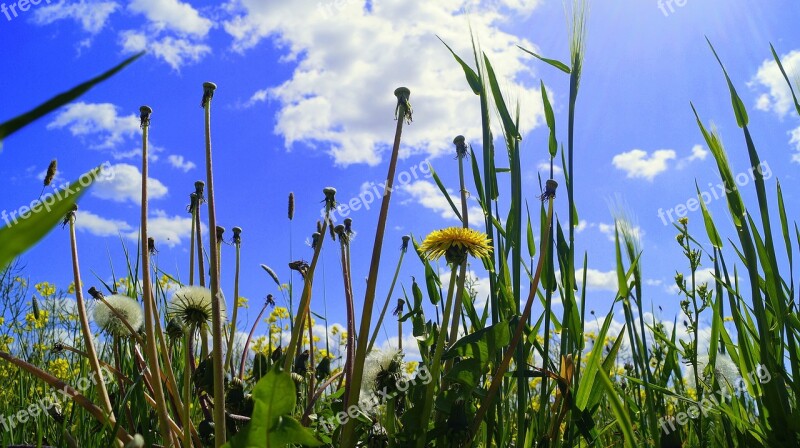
<point x="45" y="289"/>
<point x="242" y="303"/>
<point x="455" y="243"/>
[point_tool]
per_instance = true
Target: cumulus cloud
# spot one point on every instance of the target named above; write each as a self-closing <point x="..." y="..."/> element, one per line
<point x="349" y="59"/>
<point x="175" y="51"/>
<point x="172" y="15"/>
<point x="167" y="230"/>
<point x="180" y="163"/>
<point x="91" y="15"/>
<point x="125" y="184"/>
<point x="98" y="122"/>
<point x="428" y="195"/>
<point x="637" y="164"/>
<point x="778" y="97"/>
<point x="698" y="153"/>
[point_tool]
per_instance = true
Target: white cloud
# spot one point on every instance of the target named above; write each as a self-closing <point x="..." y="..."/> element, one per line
<point x="428" y="195"/>
<point x="608" y="230"/>
<point x="638" y="164"/>
<point x="582" y="225"/>
<point x="97" y="225"/>
<point x="544" y="167"/>
<point x="479" y="285"/>
<point x="350" y="60"/>
<point x="167" y="230"/>
<point x="172" y="15"/>
<point x="778" y="99"/>
<point x="125" y="184"/>
<point x="180" y="163"/>
<point x="99" y="121"/>
<point x="698" y="153"/>
<point x="174" y="51"/>
<point x="795" y="140"/>
<point x="598" y="280"/>
<point x="92" y="15"/>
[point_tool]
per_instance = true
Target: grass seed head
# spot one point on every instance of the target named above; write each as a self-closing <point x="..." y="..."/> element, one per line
<point x="51" y="172"/>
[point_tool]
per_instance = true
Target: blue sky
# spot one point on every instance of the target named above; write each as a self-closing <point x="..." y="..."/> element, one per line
<point x="305" y="101"/>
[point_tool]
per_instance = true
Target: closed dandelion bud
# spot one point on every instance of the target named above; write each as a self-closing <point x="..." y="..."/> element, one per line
<point x="199" y="188"/>
<point x="406" y="239"/>
<point x="291" y="206"/>
<point x="330" y="197"/>
<point x="403" y="110"/>
<point x="339" y="230"/>
<point x="220" y="233"/>
<point x="51" y="173"/>
<point x="348" y="225"/>
<point x="208" y="93"/>
<point x="301" y="363"/>
<point x="234" y="396"/>
<point x="237" y="235"/>
<point x="206" y="431"/>
<point x="323" y="369"/>
<point x="35" y="305"/>
<point x="315" y="239"/>
<point x="151" y="246"/>
<point x="461" y="146"/>
<point x="144" y="116"/>
<point x="203" y="376"/>
<point x="175" y="329"/>
<point x="319" y="226"/>
<point x="97" y="295"/>
<point x="276" y="354"/>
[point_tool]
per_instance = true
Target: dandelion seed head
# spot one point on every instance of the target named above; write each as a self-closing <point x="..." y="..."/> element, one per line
<point x="192" y="306"/>
<point x="127" y="307"/>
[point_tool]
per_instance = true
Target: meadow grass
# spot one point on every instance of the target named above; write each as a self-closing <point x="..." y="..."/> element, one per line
<point x="158" y="366"/>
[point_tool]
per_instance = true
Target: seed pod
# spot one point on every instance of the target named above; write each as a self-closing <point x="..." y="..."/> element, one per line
<point x="35" y="304"/>
<point x="271" y="274"/>
<point x="51" y="173"/>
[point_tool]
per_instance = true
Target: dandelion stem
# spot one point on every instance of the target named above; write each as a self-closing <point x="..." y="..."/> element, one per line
<point x="216" y="309"/>
<point x="403" y="112"/>
<point x="150" y="314"/>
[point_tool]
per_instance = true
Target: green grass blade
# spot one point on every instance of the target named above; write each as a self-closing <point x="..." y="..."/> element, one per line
<point x="557" y="64"/>
<point x="15" y="124"/>
<point x="21" y="235"/>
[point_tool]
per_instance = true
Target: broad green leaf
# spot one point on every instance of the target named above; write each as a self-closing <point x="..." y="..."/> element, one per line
<point x="467" y="372"/>
<point x="15" y="124"/>
<point x="30" y="224"/>
<point x="271" y="425"/>
<point x="557" y="64"/>
<point x="481" y="345"/>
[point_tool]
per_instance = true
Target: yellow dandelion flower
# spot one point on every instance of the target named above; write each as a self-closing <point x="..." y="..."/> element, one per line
<point x="455" y="244"/>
